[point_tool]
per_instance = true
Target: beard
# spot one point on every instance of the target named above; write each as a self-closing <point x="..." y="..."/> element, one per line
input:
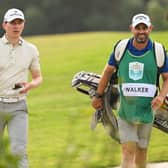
<point x="141" y="38"/>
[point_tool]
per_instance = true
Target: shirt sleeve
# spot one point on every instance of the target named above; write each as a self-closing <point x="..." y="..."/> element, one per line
<point x="111" y="60"/>
<point x="35" y="65"/>
<point x="165" y="66"/>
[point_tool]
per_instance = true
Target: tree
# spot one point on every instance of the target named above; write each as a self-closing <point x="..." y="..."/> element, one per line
<point x="62" y="16"/>
<point x="36" y="21"/>
<point x="159" y="14"/>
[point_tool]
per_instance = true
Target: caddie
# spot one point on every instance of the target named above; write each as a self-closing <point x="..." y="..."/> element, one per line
<point x="137" y="74"/>
<point x="17" y="58"/>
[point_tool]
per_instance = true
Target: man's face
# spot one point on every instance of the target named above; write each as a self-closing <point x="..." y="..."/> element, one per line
<point x="14" y="28"/>
<point x="141" y="32"/>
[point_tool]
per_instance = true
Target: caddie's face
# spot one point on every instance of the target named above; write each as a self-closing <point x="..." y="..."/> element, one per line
<point x="14" y="28"/>
<point x="141" y="32"/>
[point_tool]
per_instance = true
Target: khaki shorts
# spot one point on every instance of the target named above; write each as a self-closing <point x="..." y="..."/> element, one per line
<point x="133" y="132"/>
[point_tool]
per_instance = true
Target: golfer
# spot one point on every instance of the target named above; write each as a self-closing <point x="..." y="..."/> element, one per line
<point x="17" y="58"/>
<point x="137" y="74"/>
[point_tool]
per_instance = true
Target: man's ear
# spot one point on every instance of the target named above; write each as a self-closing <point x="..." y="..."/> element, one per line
<point x="151" y="27"/>
<point x="130" y="27"/>
<point x="3" y="25"/>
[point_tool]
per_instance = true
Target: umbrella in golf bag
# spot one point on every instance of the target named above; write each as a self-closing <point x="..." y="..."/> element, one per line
<point x="87" y="83"/>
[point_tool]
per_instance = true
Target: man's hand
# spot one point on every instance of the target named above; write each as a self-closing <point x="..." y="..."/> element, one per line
<point x="25" y="87"/>
<point x="36" y="81"/>
<point x="97" y="103"/>
<point x="157" y="102"/>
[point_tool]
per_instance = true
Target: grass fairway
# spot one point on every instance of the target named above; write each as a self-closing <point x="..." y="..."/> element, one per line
<point x="59" y="123"/>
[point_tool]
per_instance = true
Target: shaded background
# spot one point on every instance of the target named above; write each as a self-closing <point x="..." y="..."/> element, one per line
<point x="65" y="16"/>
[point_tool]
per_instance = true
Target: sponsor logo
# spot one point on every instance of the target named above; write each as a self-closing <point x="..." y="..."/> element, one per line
<point x="136" y="70"/>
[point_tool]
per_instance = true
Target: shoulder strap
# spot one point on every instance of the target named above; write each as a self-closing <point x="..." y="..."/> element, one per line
<point x="160" y="54"/>
<point x="119" y="49"/>
<point x="159" y="49"/>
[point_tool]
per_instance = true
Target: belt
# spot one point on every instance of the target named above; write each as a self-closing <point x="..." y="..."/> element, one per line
<point x="11" y="99"/>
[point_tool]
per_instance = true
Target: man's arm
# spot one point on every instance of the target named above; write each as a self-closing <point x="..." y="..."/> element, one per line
<point x="164" y="90"/>
<point x="158" y="100"/>
<point x="106" y="76"/>
<point x="35" y="82"/>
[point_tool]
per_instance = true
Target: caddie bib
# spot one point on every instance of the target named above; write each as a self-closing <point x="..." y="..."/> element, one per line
<point x="137" y="81"/>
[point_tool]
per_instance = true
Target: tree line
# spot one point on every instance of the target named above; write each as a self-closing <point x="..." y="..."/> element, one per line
<point x="64" y="16"/>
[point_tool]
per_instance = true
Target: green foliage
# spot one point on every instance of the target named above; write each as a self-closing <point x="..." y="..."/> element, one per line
<point x="62" y="16"/>
<point x="59" y="134"/>
<point x="7" y="160"/>
<point x="37" y="18"/>
<point x="158" y="13"/>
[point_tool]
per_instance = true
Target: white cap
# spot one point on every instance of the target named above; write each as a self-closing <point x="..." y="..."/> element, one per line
<point x="13" y="14"/>
<point x="141" y="18"/>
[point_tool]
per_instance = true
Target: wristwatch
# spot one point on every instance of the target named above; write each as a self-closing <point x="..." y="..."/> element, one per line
<point x="97" y="95"/>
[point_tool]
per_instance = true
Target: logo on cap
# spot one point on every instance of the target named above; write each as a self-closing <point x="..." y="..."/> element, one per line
<point x="141" y="18"/>
<point x="13" y="14"/>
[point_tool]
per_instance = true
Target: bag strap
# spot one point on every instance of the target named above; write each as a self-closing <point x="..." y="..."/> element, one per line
<point x="120" y="49"/>
<point x="159" y="51"/>
<point x="160" y="54"/>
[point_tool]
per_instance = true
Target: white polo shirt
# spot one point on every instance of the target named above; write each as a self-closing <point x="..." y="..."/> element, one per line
<point x="15" y="64"/>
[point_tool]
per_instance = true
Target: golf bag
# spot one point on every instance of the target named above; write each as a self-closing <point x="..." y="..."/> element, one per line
<point x="87" y="83"/>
